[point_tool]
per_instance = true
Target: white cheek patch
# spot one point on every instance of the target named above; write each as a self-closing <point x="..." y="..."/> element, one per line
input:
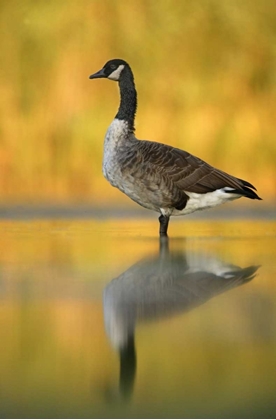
<point x="115" y="75"/>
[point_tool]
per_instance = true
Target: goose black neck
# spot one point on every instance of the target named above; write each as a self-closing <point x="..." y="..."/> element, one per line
<point x="128" y="102"/>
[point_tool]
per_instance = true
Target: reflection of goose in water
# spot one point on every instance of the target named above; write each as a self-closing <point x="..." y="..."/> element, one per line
<point x="160" y="286"/>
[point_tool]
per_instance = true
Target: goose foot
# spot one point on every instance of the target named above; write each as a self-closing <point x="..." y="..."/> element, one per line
<point x="164" y="223"/>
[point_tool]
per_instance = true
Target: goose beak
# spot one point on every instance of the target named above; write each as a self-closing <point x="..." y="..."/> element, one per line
<point x="98" y="75"/>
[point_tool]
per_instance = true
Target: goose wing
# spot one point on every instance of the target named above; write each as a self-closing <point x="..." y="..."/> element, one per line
<point x="189" y="173"/>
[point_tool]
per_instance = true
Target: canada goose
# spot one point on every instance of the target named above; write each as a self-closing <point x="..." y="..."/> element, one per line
<point x="157" y="176"/>
<point x="158" y="287"/>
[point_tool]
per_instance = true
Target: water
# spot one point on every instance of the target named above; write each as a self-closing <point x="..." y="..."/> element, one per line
<point x="98" y="320"/>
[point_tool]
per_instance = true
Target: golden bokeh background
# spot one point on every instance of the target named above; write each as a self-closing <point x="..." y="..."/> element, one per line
<point x="205" y="71"/>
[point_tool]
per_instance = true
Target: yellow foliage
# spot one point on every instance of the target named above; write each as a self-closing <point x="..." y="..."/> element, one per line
<point x="205" y="74"/>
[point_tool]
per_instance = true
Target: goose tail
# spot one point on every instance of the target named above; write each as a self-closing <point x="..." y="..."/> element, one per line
<point x="246" y="190"/>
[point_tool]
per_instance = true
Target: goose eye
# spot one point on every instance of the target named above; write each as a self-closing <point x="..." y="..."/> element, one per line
<point x="113" y="66"/>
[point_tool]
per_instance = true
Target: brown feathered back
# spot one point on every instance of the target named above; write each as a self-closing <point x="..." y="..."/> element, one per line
<point x="190" y="173"/>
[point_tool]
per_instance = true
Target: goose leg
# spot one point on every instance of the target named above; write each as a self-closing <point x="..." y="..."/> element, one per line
<point x="164" y="223"/>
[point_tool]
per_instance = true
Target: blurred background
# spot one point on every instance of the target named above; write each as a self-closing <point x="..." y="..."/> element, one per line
<point x="205" y="72"/>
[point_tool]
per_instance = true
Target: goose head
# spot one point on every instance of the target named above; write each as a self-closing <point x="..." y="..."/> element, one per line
<point x="111" y="70"/>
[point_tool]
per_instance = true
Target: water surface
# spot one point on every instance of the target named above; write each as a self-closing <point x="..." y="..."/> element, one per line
<point x="98" y="320"/>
